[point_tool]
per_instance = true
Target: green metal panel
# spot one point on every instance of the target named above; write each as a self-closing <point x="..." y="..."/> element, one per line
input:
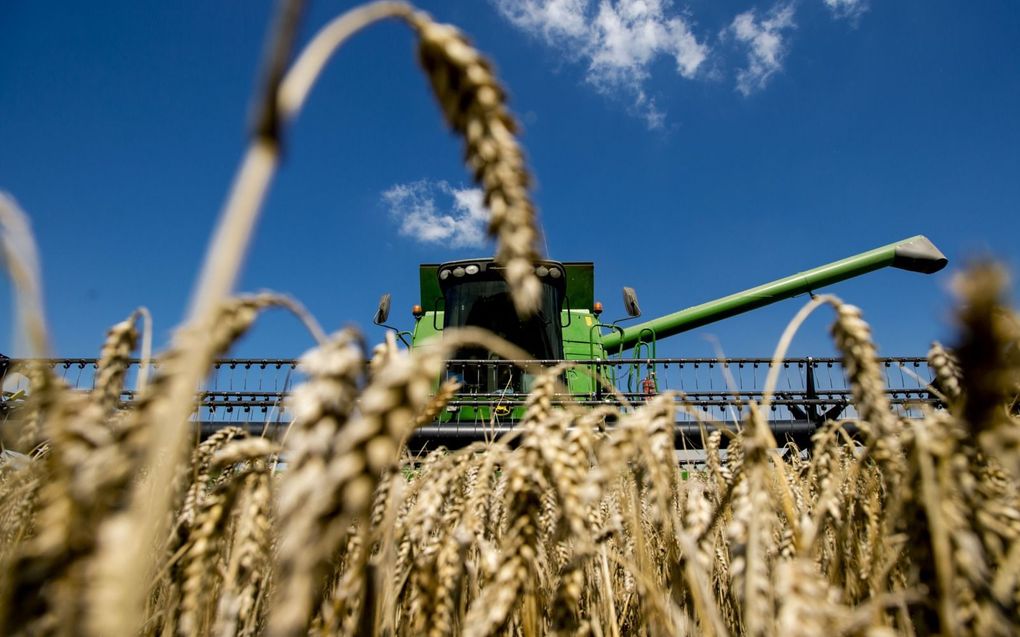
<point x="429" y="285"/>
<point x="425" y="327"/>
<point x="916" y="254"/>
<point x="580" y="284"/>
<point x="578" y="334"/>
<point x="581" y="341"/>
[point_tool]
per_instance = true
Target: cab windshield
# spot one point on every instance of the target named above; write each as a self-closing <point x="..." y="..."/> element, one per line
<point x="487" y="304"/>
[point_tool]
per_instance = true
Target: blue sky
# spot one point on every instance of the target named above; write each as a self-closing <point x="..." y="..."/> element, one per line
<point x="689" y="149"/>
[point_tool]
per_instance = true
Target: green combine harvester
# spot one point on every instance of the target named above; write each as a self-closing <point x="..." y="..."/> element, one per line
<point x="568" y="326"/>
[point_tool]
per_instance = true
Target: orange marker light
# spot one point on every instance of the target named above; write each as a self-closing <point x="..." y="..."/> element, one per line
<point x="417" y="311"/>
<point x="597" y="308"/>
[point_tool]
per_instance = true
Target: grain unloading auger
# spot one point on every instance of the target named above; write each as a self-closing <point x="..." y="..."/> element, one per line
<point x="567" y="326"/>
<point x="916" y="254"/>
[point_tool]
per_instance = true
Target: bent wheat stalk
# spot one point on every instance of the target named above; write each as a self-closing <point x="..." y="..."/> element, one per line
<point x="472" y="101"/>
<point x="17" y="247"/>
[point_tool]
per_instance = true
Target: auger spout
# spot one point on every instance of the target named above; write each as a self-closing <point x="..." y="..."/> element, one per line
<point x="916" y="254"/>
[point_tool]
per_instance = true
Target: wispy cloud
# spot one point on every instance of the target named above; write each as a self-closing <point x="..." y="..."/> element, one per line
<point x="851" y="9"/>
<point x="618" y="40"/>
<point x="766" y="47"/>
<point x="434" y="212"/>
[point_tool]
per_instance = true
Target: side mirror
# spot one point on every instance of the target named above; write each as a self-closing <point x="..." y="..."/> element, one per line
<point x="383" y="312"/>
<point x="630" y="302"/>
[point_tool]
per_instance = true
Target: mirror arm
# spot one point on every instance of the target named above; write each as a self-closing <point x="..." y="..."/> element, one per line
<point x="400" y="333"/>
<point x="621" y="320"/>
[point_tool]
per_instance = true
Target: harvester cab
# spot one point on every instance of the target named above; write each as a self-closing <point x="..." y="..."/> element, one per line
<point x="473" y="293"/>
<point x="566" y="326"/>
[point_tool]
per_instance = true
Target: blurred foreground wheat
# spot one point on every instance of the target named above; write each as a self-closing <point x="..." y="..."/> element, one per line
<point x="582" y="524"/>
<point x="585" y="524"/>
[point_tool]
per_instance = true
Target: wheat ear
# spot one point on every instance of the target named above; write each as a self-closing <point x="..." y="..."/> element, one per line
<point x="113" y="363"/>
<point x="209" y="527"/>
<point x="153" y="439"/>
<point x="309" y="531"/>
<point x="473" y="102"/>
<point x="946" y="369"/>
<point x="989" y="363"/>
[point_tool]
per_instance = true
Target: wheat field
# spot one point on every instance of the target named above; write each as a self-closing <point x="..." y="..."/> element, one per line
<point x="118" y="521"/>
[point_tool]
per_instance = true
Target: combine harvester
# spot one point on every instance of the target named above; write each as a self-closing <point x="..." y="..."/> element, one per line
<point x="567" y="327"/>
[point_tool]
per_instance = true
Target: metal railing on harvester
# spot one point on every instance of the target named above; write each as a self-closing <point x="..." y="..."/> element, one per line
<point x="253" y="392"/>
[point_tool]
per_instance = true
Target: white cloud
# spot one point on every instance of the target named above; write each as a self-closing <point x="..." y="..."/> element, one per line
<point x="553" y="19"/>
<point x="618" y="39"/>
<point x="766" y="48"/>
<point x="459" y="222"/>
<point x="851" y="9"/>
